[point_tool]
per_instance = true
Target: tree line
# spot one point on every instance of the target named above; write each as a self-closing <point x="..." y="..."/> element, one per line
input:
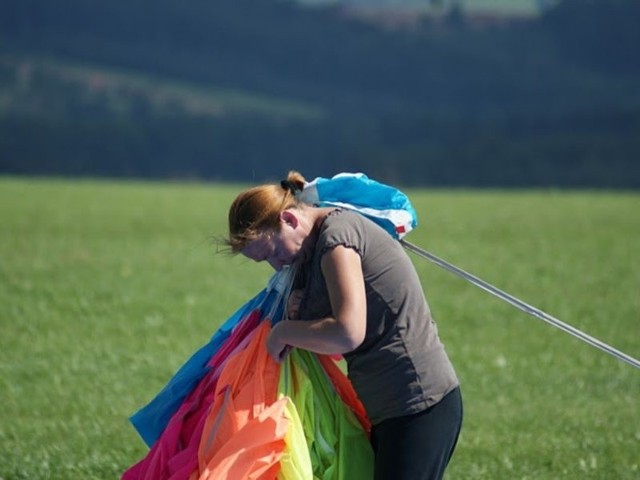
<point x="550" y="102"/>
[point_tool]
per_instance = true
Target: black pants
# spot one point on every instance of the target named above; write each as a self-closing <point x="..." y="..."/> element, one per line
<point x="418" y="447"/>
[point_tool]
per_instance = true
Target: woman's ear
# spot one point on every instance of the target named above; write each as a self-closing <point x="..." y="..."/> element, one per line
<point x="289" y="218"/>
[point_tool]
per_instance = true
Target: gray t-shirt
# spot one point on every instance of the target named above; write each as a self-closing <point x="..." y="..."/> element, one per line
<point x="401" y="368"/>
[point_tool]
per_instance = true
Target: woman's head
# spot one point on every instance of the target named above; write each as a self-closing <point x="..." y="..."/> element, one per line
<point x="257" y="210"/>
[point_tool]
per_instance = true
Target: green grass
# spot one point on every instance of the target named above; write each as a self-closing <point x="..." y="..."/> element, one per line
<point x="106" y="288"/>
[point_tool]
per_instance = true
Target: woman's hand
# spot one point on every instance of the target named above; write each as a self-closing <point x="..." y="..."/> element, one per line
<point x="277" y="349"/>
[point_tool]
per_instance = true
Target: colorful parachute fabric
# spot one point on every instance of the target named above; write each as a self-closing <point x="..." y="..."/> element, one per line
<point x="241" y="415"/>
<point x="387" y="206"/>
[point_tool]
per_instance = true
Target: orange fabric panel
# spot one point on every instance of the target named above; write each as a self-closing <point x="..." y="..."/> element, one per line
<point x="244" y="432"/>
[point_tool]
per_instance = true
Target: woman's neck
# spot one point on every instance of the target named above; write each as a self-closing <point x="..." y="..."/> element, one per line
<point x="316" y="217"/>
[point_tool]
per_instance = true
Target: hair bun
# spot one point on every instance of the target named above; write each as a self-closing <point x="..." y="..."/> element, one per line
<point x="289" y="185"/>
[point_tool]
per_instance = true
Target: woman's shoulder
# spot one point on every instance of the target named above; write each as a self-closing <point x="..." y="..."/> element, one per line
<point x="350" y="228"/>
<point x="342" y="219"/>
<point x="350" y="219"/>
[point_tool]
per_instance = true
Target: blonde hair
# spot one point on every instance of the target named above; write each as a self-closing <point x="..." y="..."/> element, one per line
<point x="258" y="209"/>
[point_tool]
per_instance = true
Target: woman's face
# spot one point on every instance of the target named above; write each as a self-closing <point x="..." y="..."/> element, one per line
<point x="278" y="247"/>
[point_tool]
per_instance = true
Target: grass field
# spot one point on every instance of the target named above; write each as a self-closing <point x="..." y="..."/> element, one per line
<point x="106" y="288"/>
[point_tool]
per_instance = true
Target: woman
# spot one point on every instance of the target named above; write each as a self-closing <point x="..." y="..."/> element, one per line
<point x="358" y="294"/>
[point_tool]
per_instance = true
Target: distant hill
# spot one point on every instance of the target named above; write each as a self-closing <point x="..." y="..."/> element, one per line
<point x="237" y="89"/>
<point x="436" y="7"/>
<point x="277" y="49"/>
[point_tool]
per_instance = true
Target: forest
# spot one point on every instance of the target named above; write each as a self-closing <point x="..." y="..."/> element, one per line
<point x="244" y="90"/>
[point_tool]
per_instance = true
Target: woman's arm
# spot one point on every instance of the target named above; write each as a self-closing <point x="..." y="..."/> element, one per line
<point x="342" y="332"/>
